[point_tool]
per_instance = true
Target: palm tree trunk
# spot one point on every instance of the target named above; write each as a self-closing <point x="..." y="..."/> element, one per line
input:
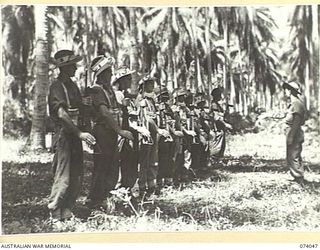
<point x="114" y="31"/>
<point x="37" y="135"/>
<point x="208" y="41"/>
<point x="171" y="50"/>
<point x="307" y="83"/>
<point x="87" y="57"/>
<point x="195" y="52"/>
<point x="134" y="58"/>
<point x="319" y="67"/>
<point x="225" y="37"/>
<point x="308" y="68"/>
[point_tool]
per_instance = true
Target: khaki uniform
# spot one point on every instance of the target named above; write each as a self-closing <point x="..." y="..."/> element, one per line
<point x="182" y="152"/>
<point x="67" y="147"/>
<point x="166" y="148"/>
<point x="294" y="160"/>
<point x="106" y="169"/>
<point x="148" y="153"/>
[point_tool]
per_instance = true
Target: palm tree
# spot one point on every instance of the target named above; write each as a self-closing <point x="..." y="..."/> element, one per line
<point x="134" y="58"/>
<point x="250" y="28"/>
<point x="174" y="23"/>
<point x="302" y="46"/>
<point x="37" y="135"/>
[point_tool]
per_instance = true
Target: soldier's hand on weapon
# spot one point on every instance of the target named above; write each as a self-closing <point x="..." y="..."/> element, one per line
<point x="212" y="135"/>
<point x="87" y="137"/>
<point x="126" y="134"/>
<point x="163" y="133"/>
<point x="178" y="133"/>
<point x="143" y="131"/>
<point x="203" y="140"/>
<point x="87" y="100"/>
<point x="191" y="133"/>
<point x="228" y="126"/>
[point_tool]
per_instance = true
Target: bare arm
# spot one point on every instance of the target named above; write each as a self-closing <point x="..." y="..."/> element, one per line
<point x="65" y="118"/>
<point x="113" y="124"/>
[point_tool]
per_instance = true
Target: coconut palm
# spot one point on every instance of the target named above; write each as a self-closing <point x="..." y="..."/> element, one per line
<point x="302" y="46"/>
<point x="176" y="24"/>
<point x="37" y="135"/>
<point x="248" y="29"/>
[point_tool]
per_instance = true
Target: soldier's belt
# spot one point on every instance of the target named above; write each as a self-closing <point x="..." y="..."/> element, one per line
<point x="74" y="115"/>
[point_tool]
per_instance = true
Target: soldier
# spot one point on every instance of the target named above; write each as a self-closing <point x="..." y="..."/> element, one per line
<point x="295" y="119"/>
<point x="66" y="109"/>
<point x="165" y="144"/>
<point x="107" y="128"/>
<point x="148" y="155"/>
<point x="204" y="127"/>
<point x="129" y="157"/>
<point x="219" y="125"/>
<point x="182" y="154"/>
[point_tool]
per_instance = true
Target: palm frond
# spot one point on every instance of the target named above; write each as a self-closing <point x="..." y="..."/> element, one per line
<point x="151" y="13"/>
<point x="175" y="20"/>
<point x="156" y="21"/>
<point x="57" y="20"/>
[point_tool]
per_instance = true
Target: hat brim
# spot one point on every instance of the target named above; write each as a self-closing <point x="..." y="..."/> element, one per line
<point x="166" y="93"/>
<point x="76" y="59"/>
<point x="182" y="94"/>
<point x="151" y="79"/>
<point x="124" y="75"/>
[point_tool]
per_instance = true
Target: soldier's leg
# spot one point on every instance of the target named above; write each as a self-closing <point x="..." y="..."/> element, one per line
<point x="178" y="160"/>
<point x="103" y="177"/>
<point x="153" y="169"/>
<point x="144" y="162"/>
<point x="223" y="145"/>
<point x="76" y="176"/>
<point x="168" y="175"/>
<point x="61" y="165"/>
<point x="204" y="156"/>
<point x="294" y="160"/>
<point x="195" y="156"/>
<point x="111" y="163"/>
<point x="129" y="166"/>
<point x="166" y="163"/>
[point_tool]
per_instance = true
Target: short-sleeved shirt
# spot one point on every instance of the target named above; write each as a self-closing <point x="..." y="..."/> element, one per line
<point x="296" y="107"/>
<point x="101" y="96"/>
<point x="166" y="116"/>
<point x="183" y="113"/>
<point x="218" y="111"/>
<point x="57" y="97"/>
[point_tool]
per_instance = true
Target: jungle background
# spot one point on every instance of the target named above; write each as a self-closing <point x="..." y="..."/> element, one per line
<point x="253" y="48"/>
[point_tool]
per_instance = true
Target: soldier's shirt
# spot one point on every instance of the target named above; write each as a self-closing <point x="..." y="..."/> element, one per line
<point x="57" y="97"/>
<point x="218" y="111"/>
<point x="182" y="113"/>
<point x="106" y="97"/>
<point x="167" y="115"/>
<point x="150" y="107"/>
<point x="296" y="107"/>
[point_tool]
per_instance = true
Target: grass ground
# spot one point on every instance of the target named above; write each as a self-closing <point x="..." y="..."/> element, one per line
<point x="247" y="190"/>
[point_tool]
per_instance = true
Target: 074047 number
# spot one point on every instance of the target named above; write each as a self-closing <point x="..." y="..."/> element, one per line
<point x="308" y="245"/>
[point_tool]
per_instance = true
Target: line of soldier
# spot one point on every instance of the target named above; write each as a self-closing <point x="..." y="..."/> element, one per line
<point x="157" y="137"/>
